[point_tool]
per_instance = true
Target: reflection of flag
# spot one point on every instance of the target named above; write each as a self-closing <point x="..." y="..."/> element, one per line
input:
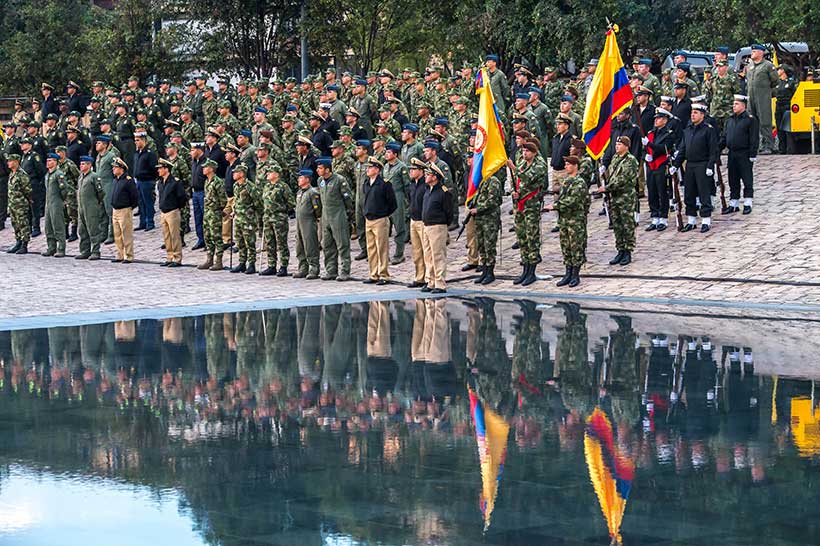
<point x="608" y="94"/>
<point x="491" y="433"/>
<point x="489" y="154"/>
<point x="610" y="472"/>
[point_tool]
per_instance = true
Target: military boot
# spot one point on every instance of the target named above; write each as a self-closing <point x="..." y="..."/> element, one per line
<point x="209" y="261"/>
<point x="566" y="278"/>
<point x="481" y="277"/>
<point x="35" y="228"/>
<point x="251" y="269"/>
<point x="217" y="263"/>
<point x="238" y="268"/>
<point x="267" y="272"/>
<point x="23" y="248"/>
<point x="60" y="253"/>
<point x="530" y="278"/>
<point x="283" y="272"/>
<point x="489" y="274"/>
<point x="617" y="259"/>
<point x="48" y="252"/>
<point x="94" y="257"/>
<point x="525" y="269"/>
<point x="73" y="237"/>
<point x="576" y="279"/>
<point x="15" y="248"/>
<point x="83" y="256"/>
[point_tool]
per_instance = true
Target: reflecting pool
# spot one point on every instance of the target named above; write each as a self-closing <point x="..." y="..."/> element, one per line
<point x="429" y="422"/>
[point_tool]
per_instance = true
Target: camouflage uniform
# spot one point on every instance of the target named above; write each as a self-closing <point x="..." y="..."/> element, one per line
<point x="192" y="132"/>
<point x="308" y="213"/>
<point x="572" y="206"/>
<point x="488" y="218"/>
<point x="721" y="92"/>
<point x="278" y="201"/>
<point x="246" y="209"/>
<point x="621" y="179"/>
<point x="20" y="199"/>
<point x="210" y="111"/>
<point x="586" y="170"/>
<point x="531" y="179"/>
<point x="215" y="201"/>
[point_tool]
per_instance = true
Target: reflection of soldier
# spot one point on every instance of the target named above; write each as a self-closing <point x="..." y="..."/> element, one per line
<point x="531" y="366"/>
<point x="64" y="346"/>
<point x="382" y="369"/>
<point x="439" y="372"/>
<point x="248" y="345"/>
<point x="699" y="386"/>
<point x="174" y="353"/>
<point x="216" y="350"/>
<point x="22" y="347"/>
<point x="742" y="395"/>
<point x="126" y="348"/>
<point x="336" y="339"/>
<point x="571" y="360"/>
<point x="658" y="381"/>
<point x="492" y="370"/>
<point x="278" y="327"/>
<point x="622" y="371"/>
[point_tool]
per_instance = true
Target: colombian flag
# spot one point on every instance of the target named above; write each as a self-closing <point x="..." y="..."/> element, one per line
<point x="608" y="94"/>
<point x="491" y="432"/>
<point x="489" y="154"/>
<point x="610" y="472"/>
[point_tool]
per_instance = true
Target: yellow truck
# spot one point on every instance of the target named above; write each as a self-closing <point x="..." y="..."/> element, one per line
<point x="804" y="114"/>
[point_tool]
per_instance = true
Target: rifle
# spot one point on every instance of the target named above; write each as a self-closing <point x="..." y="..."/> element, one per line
<point x="722" y="185"/>
<point x="676" y="180"/>
<point x="606" y="194"/>
<point x="463" y="225"/>
<point x="230" y="250"/>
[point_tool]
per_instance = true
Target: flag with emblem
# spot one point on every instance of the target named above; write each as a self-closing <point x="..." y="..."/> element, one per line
<point x="491" y="432"/>
<point x="489" y="154"/>
<point x="608" y="94"/>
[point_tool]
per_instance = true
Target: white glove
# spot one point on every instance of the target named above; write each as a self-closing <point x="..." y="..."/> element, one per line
<point x="753" y="159"/>
<point x="673" y="170"/>
<point x="648" y="158"/>
<point x="602" y="170"/>
<point x="645" y="141"/>
<point x="709" y="172"/>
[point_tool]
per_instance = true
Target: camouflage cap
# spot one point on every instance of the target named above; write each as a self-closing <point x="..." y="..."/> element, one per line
<point x="224" y="104"/>
<point x="345" y="130"/>
<point x="60" y="148"/>
<point x="210" y="163"/>
<point x="241" y="168"/>
<point x="337" y="144"/>
<point x="13" y="157"/>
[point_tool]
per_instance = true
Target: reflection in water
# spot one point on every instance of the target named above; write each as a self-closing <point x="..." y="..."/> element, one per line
<point x="369" y="423"/>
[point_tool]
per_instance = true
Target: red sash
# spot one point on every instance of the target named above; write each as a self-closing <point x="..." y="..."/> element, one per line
<point x="657" y="162"/>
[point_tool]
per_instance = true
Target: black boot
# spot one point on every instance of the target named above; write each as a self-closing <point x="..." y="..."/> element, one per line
<point x="565" y="279"/>
<point x="267" y="272"/>
<point x="525" y="269"/>
<point x="73" y="237"/>
<point x="15" y="248"/>
<point x="489" y="274"/>
<point x="35" y="228"/>
<point x="617" y="259"/>
<point x="575" y="280"/>
<point x="530" y="278"/>
<point x="238" y="268"/>
<point x="481" y="277"/>
<point x="283" y="272"/>
<point x="23" y="248"/>
<point x="251" y="270"/>
<point x="626" y="259"/>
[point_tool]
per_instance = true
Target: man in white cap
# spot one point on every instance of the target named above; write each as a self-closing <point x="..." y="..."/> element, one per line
<point x="741" y="136"/>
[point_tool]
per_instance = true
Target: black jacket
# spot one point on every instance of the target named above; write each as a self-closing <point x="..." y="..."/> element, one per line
<point x="682" y="110"/>
<point x="379" y="199"/>
<point x="741" y="134"/>
<point x="438" y="206"/>
<point x="75" y="150"/>
<point x="662" y="143"/>
<point x="417" y="191"/>
<point x="322" y="140"/>
<point x="124" y="193"/>
<point x="360" y="133"/>
<point x="560" y="149"/>
<point x="197" y="178"/>
<point x="644" y="120"/>
<point x="627" y="129"/>
<point x="171" y="194"/>
<point x="698" y="145"/>
<point x="217" y="155"/>
<point x="145" y="164"/>
<point x="77" y="103"/>
<point x="229" y="178"/>
<point x="49" y="106"/>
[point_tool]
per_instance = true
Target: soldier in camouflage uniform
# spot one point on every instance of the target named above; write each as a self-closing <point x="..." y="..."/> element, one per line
<point x="485" y="207"/>
<point x="572" y="206"/>
<point x="247" y="209"/>
<point x="190" y="129"/>
<point x="72" y="174"/>
<point x="215" y="201"/>
<point x="20" y="201"/>
<point x="621" y="178"/>
<point x="56" y="191"/>
<point x="232" y="124"/>
<point x="720" y="93"/>
<point x="181" y="171"/>
<point x="308" y="214"/>
<point x="531" y="175"/>
<point x="277" y="201"/>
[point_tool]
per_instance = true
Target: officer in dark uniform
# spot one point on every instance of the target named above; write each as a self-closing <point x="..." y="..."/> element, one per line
<point x="741" y="137"/>
<point x="379" y="202"/>
<point x="699" y="148"/>
<point x="682" y="106"/>
<point x="660" y="145"/>
<point x="33" y="166"/>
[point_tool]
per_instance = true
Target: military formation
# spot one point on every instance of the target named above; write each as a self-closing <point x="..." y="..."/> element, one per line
<point x="375" y="161"/>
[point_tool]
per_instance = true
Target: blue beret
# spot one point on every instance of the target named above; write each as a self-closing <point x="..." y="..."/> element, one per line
<point x="104" y="138"/>
<point x="325" y="161"/>
<point x="86" y="159"/>
<point x="759" y="47"/>
<point x="305" y="172"/>
<point x="395" y="146"/>
<point x="491" y="57"/>
<point x="534" y="89"/>
<point x="683" y="66"/>
<point x="432" y="144"/>
<point x="567" y="98"/>
<point x="246" y="133"/>
<point x="524" y="96"/>
<point x="442" y="121"/>
<point x="723" y="49"/>
<point x="291" y="108"/>
<point x="364" y="143"/>
<point x="361" y="81"/>
<point x="52" y="155"/>
<point x="332" y="88"/>
<point x="261" y="109"/>
<point x="646" y="61"/>
<point x="412" y="127"/>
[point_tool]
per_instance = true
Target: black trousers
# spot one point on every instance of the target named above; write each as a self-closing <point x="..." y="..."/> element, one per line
<point x="4" y="199"/>
<point x="697" y="184"/>
<point x="740" y="168"/>
<point x="658" y="193"/>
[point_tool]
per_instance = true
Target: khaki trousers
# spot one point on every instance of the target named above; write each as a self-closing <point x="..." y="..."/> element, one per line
<point x="226" y="221"/>
<point x="377" y="233"/>
<point x="472" y="243"/>
<point x="416" y="238"/>
<point x="123" y="220"/>
<point x="556" y="182"/>
<point x="170" y="233"/>
<point x="435" y="255"/>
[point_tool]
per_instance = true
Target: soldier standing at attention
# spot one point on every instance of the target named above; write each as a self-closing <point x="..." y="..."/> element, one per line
<point x="721" y="89"/>
<point x="106" y="153"/>
<point x="530" y="182"/>
<point x="761" y="83"/>
<point x="247" y="210"/>
<point x="437" y="215"/>
<point x="124" y="197"/>
<point x="486" y="212"/>
<point x="90" y="210"/>
<point x="277" y="201"/>
<point x="572" y="206"/>
<point x="308" y="215"/>
<point x="397" y="175"/>
<point x="621" y="179"/>
<point x="417" y="190"/>
<point x="172" y="198"/>
<point x="215" y="200"/>
<point x="20" y="199"/>
<point x="379" y="202"/>
<point x="56" y="192"/>
<point x="699" y="148"/>
<point x="337" y="208"/>
<point x="660" y="144"/>
<point x="741" y="137"/>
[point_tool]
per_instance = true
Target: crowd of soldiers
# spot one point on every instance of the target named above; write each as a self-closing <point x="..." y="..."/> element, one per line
<point x="358" y="158"/>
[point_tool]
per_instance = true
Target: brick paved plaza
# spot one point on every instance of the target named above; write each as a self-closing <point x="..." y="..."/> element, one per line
<point x="776" y="243"/>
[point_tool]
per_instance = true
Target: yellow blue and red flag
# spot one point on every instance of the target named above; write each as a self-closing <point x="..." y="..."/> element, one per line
<point x="489" y="154"/>
<point x="491" y="432"/>
<point x="610" y="472"/>
<point x="608" y="94"/>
